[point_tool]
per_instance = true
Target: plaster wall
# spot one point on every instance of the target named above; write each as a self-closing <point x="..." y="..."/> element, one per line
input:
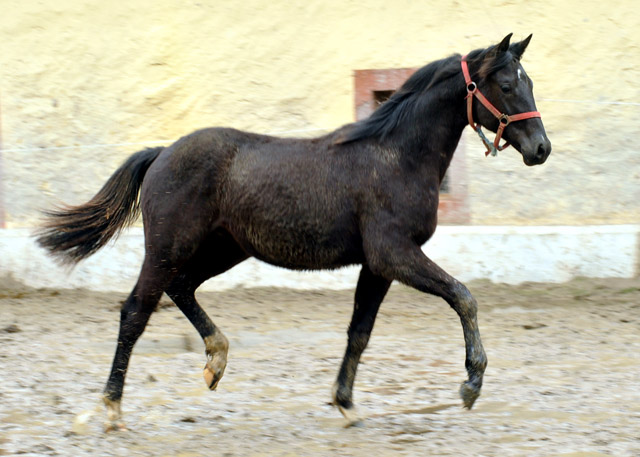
<point x="85" y="83"/>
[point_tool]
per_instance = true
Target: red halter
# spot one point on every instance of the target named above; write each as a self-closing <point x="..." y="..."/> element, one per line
<point x="503" y="119"/>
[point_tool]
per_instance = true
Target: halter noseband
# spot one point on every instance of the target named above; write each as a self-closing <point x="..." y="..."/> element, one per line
<point x="503" y="119"/>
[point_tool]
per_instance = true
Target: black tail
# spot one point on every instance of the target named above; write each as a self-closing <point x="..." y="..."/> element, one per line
<point x="74" y="233"/>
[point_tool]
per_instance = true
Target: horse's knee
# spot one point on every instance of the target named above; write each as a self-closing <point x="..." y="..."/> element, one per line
<point x="358" y="340"/>
<point x="463" y="302"/>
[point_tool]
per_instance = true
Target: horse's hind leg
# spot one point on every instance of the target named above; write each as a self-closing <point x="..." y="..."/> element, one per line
<point x="134" y="316"/>
<point x="211" y="259"/>
<point x="370" y="292"/>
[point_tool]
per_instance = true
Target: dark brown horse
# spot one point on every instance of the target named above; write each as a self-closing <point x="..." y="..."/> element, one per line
<point x="365" y="194"/>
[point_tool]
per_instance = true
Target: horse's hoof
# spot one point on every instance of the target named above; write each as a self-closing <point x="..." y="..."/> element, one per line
<point x="469" y="394"/>
<point x="211" y="377"/>
<point x="117" y="426"/>
<point x="351" y="415"/>
<point x="114" y="416"/>
<point x="346" y="407"/>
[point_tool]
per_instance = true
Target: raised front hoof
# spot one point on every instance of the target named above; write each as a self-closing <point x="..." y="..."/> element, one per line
<point x="212" y="376"/>
<point x="469" y="394"/>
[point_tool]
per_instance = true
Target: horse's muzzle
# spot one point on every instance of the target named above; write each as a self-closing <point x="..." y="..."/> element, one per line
<point x="538" y="154"/>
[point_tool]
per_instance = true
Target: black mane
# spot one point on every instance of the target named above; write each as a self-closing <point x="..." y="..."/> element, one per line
<point x="402" y="103"/>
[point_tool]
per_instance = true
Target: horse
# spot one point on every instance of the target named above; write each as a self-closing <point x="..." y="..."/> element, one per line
<point x="365" y="194"/>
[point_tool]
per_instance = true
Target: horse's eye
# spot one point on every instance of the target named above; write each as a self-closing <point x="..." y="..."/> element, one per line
<point x="506" y="89"/>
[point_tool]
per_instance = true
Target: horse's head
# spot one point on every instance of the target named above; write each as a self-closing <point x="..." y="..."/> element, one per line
<point x="498" y="75"/>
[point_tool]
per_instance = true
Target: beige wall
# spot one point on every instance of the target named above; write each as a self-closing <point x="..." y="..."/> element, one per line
<point x="87" y="72"/>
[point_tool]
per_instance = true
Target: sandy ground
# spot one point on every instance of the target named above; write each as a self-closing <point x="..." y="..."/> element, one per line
<point x="563" y="375"/>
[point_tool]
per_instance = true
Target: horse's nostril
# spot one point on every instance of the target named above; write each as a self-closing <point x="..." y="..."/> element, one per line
<point x="541" y="152"/>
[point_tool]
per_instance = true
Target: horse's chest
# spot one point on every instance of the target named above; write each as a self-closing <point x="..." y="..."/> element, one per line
<point x="418" y="212"/>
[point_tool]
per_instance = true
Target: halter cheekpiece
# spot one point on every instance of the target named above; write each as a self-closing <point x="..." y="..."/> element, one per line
<point x="503" y="119"/>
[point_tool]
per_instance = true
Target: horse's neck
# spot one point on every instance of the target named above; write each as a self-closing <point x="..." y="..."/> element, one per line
<point x="431" y="135"/>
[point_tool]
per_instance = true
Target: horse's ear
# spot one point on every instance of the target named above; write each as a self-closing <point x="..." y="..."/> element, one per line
<point x="518" y="48"/>
<point x="504" y="45"/>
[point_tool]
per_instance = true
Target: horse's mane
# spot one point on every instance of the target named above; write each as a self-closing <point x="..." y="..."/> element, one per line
<point x="402" y="103"/>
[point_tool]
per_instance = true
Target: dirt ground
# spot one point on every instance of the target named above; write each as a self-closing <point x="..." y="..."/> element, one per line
<point x="563" y="376"/>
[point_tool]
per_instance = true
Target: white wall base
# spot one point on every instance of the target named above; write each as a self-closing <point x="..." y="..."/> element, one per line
<point x="501" y="254"/>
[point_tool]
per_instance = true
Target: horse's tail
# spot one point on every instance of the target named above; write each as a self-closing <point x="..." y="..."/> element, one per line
<point x="75" y="232"/>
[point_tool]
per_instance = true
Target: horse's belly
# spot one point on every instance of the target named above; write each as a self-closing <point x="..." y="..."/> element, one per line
<point x="304" y="247"/>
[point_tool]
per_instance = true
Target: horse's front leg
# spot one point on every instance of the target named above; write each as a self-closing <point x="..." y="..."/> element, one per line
<point x="370" y="292"/>
<point x="397" y="258"/>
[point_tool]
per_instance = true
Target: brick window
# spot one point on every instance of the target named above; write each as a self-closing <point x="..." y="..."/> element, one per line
<point x="374" y="87"/>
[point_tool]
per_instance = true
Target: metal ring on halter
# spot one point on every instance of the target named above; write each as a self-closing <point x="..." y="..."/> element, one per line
<point x="504" y="120"/>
